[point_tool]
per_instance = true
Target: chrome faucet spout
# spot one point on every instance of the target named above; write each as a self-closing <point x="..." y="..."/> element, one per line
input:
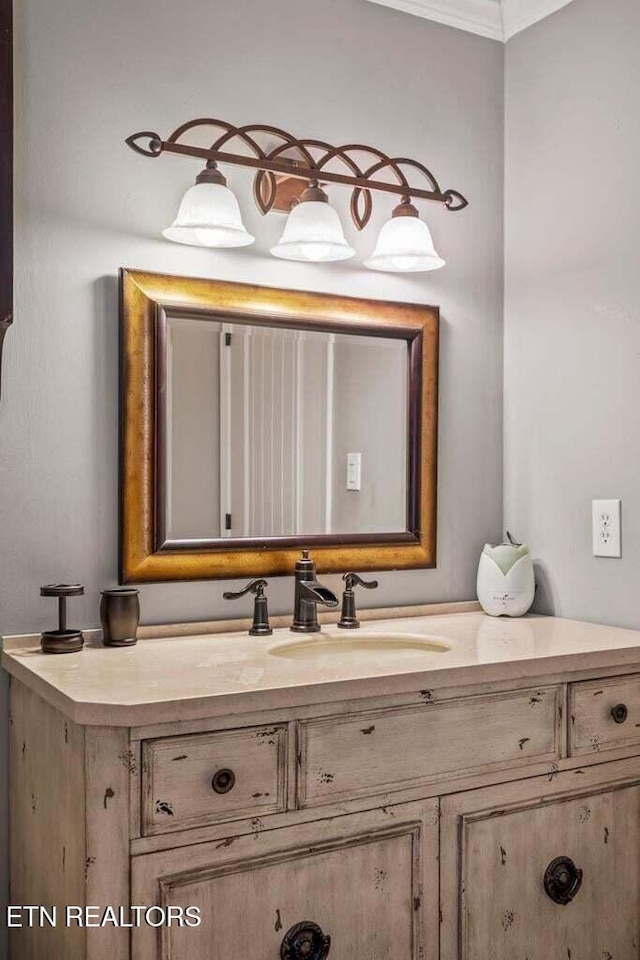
<point x="308" y="594"/>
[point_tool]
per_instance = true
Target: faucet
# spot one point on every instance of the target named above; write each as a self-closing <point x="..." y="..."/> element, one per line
<point x="308" y="594"/>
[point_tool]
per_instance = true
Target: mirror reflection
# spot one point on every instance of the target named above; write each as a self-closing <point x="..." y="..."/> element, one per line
<point x="271" y="431"/>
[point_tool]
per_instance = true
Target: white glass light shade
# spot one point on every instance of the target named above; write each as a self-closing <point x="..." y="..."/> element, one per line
<point x="209" y="216"/>
<point x="405" y="244"/>
<point x="313" y="232"/>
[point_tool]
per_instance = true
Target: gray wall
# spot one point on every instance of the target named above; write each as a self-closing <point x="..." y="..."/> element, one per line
<point x="193" y="429"/>
<point x="370" y="411"/>
<point x="90" y="73"/>
<point x="572" y="306"/>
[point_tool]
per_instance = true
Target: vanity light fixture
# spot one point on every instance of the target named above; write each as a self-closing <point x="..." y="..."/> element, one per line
<point x="209" y="214"/>
<point x="313" y="231"/>
<point x="405" y="243"/>
<point x="290" y="176"/>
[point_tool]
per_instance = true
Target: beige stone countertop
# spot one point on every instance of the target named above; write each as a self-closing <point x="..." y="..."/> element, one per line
<point x="208" y="675"/>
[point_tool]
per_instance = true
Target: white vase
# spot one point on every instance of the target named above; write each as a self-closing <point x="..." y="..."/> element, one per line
<point x="506" y="583"/>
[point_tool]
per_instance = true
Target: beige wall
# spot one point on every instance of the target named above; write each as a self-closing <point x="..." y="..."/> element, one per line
<point x="572" y="310"/>
<point x="88" y="74"/>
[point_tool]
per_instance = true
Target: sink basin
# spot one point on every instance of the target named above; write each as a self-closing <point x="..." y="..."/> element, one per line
<point x="359" y="646"/>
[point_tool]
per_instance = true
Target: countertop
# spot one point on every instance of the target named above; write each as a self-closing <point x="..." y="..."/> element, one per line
<point x="194" y="677"/>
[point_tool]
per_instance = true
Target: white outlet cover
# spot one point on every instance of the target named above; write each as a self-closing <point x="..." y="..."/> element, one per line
<point x="607" y="540"/>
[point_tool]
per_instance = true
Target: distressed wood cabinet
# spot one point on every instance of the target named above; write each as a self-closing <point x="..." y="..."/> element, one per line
<point x="488" y="822"/>
<point x="548" y="867"/>
<point x="368" y="880"/>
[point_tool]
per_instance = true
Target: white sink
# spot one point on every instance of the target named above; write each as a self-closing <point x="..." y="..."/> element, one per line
<point x="358" y="645"/>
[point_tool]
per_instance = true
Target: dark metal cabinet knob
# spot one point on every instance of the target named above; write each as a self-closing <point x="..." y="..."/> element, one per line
<point x="620" y="712"/>
<point x="305" y="941"/>
<point x="223" y="781"/>
<point x="562" y="880"/>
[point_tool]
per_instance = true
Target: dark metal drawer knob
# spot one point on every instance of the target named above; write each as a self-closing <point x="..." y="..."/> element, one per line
<point x="620" y="712"/>
<point x="562" y="880"/>
<point x="305" y="941"/>
<point x="223" y="781"/>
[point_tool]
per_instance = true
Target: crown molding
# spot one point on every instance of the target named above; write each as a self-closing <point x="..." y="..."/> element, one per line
<point x="496" y="19"/>
<point x="517" y="15"/>
<point x="483" y="17"/>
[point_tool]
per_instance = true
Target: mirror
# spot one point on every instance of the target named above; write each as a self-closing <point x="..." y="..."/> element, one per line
<point x="257" y="421"/>
<point x="273" y="432"/>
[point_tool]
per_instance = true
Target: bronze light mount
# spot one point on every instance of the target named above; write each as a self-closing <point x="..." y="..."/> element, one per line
<point x="278" y="169"/>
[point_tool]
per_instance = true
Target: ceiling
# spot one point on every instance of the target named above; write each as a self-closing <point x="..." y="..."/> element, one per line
<point x="498" y="19"/>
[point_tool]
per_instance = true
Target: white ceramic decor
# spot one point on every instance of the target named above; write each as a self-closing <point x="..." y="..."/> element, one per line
<point x="506" y="584"/>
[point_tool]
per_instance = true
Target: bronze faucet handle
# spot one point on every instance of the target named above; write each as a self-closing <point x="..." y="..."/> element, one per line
<point x="254" y="586"/>
<point x="260" y="626"/>
<point x="355" y="580"/>
<point x="348" y="619"/>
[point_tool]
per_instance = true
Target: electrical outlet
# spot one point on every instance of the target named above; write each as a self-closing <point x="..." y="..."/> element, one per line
<point x="606" y="528"/>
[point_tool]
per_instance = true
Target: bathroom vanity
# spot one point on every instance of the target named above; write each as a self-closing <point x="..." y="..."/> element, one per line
<point x="443" y="785"/>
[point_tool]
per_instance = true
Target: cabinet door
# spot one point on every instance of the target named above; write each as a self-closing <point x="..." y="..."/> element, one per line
<point x="545" y="869"/>
<point x="368" y="881"/>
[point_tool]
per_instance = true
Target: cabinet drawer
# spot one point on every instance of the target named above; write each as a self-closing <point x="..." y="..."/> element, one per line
<point x="389" y="750"/>
<point x="605" y="714"/>
<point x="211" y="777"/>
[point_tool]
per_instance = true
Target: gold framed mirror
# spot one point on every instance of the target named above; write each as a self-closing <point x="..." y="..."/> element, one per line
<point x="257" y="421"/>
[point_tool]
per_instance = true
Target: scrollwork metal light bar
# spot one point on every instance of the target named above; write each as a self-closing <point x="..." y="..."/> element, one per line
<point x="307" y="160"/>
